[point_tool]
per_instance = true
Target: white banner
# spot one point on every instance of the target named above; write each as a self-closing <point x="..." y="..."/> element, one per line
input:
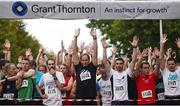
<point x="11" y="9"/>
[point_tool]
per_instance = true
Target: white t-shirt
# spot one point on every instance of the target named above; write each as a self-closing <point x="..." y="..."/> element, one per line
<point x="51" y="90"/>
<point x="120" y="85"/>
<point x="105" y="91"/>
<point x="171" y="81"/>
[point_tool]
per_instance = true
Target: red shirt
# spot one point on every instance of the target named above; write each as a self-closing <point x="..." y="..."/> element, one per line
<point x="67" y="93"/>
<point x="146" y="89"/>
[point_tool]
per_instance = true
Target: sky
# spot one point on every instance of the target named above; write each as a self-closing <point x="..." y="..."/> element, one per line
<point x="50" y="32"/>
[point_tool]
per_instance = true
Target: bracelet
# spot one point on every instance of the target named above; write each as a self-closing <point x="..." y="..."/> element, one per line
<point x="134" y="46"/>
<point x="95" y="38"/>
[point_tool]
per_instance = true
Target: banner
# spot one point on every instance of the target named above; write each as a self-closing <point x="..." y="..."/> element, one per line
<point x="28" y="9"/>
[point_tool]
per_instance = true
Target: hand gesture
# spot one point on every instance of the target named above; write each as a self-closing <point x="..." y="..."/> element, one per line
<point x="77" y="32"/>
<point x="52" y="71"/>
<point x="103" y="42"/>
<point x="93" y="33"/>
<point x="7" y="44"/>
<point x="28" y="52"/>
<point x="81" y="47"/>
<point x="125" y="57"/>
<point x="44" y="96"/>
<point x="178" y="42"/>
<point x="145" y="52"/>
<point x="114" y="49"/>
<point x="6" y="47"/>
<point x="135" y="41"/>
<point x="163" y="39"/>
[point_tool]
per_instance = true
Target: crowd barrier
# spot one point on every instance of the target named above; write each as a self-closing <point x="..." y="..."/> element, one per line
<point x="4" y="101"/>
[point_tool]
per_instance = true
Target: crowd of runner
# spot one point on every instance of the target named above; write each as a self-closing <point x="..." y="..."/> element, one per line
<point x="76" y="76"/>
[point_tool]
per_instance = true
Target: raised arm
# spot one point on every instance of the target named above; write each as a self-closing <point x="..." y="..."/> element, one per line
<point x="134" y="44"/>
<point x="105" y="60"/>
<point x="113" y="51"/>
<point x="163" y="40"/>
<point x="95" y="46"/>
<point x="59" y="58"/>
<point x="178" y="42"/>
<point x="75" y="47"/>
<point x="29" y="73"/>
<point x="6" y="50"/>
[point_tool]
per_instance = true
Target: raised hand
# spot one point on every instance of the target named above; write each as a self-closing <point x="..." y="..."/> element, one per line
<point x="178" y="42"/>
<point x="81" y="47"/>
<point x="6" y="46"/>
<point x="93" y="33"/>
<point x="103" y="42"/>
<point x="135" y="41"/>
<point x="28" y="52"/>
<point x="163" y="39"/>
<point x="77" y="32"/>
<point x="114" y="49"/>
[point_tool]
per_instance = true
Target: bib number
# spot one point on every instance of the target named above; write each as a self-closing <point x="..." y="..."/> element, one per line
<point x="25" y="83"/>
<point x="119" y="88"/>
<point x="160" y="96"/>
<point x="8" y="96"/>
<point x="85" y="75"/>
<point x="146" y="94"/>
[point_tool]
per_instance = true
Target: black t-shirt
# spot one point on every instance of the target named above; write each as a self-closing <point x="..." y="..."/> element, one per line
<point x="86" y="81"/>
<point x="9" y="89"/>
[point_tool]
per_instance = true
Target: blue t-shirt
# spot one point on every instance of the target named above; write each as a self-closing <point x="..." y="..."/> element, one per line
<point x="38" y="76"/>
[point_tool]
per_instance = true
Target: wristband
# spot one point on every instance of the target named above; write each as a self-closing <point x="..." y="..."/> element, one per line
<point x="95" y="38"/>
<point x="134" y="46"/>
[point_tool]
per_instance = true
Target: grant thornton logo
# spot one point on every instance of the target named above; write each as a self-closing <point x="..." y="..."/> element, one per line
<point x="19" y="8"/>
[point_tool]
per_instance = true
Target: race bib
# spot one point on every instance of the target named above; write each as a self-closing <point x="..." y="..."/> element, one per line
<point x="8" y="95"/>
<point x="146" y="94"/>
<point x="119" y="88"/>
<point x="107" y="93"/>
<point x="51" y="91"/>
<point x="160" y="96"/>
<point x="85" y="75"/>
<point x="173" y="84"/>
<point x="25" y="83"/>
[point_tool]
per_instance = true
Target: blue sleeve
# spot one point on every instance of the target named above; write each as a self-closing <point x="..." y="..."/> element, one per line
<point x="97" y="86"/>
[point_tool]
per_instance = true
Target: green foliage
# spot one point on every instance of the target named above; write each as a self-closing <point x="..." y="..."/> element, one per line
<point x="120" y="32"/>
<point x="20" y="40"/>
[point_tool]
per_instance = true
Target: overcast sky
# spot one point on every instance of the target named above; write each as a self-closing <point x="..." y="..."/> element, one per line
<point x="51" y="32"/>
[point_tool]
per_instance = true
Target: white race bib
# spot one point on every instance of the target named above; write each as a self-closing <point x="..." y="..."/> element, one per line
<point x="107" y="93"/>
<point x="85" y="75"/>
<point x="146" y="94"/>
<point x="8" y="96"/>
<point x="172" y="83"/>
<point x="160" y="96"/>
<point x="51" y="91"/>
<point x="119" y="88"/>
<point x="25" y="83"/>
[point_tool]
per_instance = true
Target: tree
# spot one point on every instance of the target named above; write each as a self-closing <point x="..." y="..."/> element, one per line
<point x="120" y="32"/>
<point x="20" y="40"/>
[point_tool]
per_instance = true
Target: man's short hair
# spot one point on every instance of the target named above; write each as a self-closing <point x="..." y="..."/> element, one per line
<point x="49" y="60"/>
<point x="144" y="62"/>
<point x="101" y="65"/>
<point x="120" y="59"/>
<point x="3" y="62"/>
<point x="84" y="55"/>
<point x="171" y="59"/>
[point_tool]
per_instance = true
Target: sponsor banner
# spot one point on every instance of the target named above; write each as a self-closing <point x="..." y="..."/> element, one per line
<point x="24" y="9"/>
